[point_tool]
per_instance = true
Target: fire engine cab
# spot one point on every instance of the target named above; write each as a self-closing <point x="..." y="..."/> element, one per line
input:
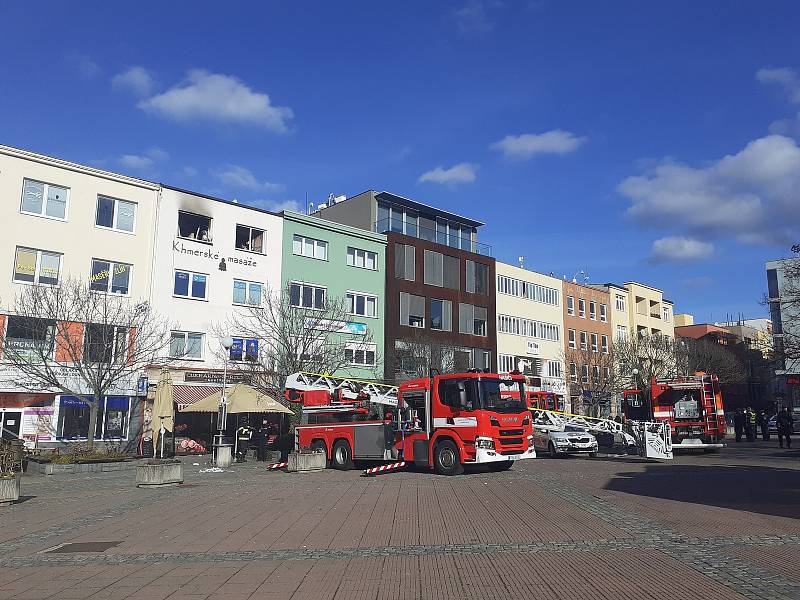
<point x="442" y="422"/>
<point x="692" y="405"/>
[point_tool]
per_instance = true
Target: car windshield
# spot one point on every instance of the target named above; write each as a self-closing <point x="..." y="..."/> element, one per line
<point x="574" y="428"/>
<point x="502" y="395"/>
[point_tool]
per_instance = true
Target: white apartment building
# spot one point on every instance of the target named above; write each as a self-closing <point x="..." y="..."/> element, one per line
<point x="530" y="325"/>
<point x="63" y="220"/>
<point x="213" y="258"/>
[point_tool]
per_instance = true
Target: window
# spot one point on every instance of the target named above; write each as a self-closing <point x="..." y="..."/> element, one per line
<point x="306" y="246"/>
<point x="186" y="344"/>
<point x="480" y="359"/>
<point x="594" y="342"/>
<point x="477" y="278"/>
<point x="247" y="292"/>
<point x="595" y="374"/>
<point x="412" y="310"/>
<point x="29" y="338"/>
<point x="104" y="343"/>
<point x="362" y="355"/>
<point x="44" y="199"/>
<point x="196" y="227"/>
<point x="571" y="338"/>
<point x="592" y="311"/>
<point x="526" y="289"/>
<point x="506" y="363"/>
<point x="244" y="349"/>
<point x="528" y="328"/>
<point x="250" y="239"/>
<point x="112" y="418"/>
<point x="303" y="295"/>
<point x="363" y="305"/>
<point x="573" y="372"/>
<point x="404" y="262"/>
<point x="622" y="333"/>
<point x="364" y="259"/>
<point x="620" y="302"/>
<point x="585" y="374"/>
<point x="584" y="343"/>
<point x="603" y="313"/>
<point x="581" y="308"/>
<point x="607" y="374"/>
<point x="190" y="285"/>
<point x="441" y="315"/>
<point x="773" y="289"/>
<point x="472" y="319"/>
<point x="37" y="266"/>
<point x="554" y="368"/>
<point x="604" y="344"/>
<point x="441" y="270"/>
<point x="110" y="277"/>
<point x="570" y="305"/>
<point x="666" y="314"/>
<point x="115" y="214"/>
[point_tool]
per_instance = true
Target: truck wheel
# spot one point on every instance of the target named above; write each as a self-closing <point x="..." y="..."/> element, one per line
<point x="341" y="456"/>
<point x="445" y="459"/>
<point x="496" y="467"/>
<point x="319" y="446"/>
<point x="551" y="448"/>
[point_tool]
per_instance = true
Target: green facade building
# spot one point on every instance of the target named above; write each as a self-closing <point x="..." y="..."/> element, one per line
<point x="326" y="262"/>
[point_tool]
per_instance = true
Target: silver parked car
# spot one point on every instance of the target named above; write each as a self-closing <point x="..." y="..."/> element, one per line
<point x="570" y="440"/>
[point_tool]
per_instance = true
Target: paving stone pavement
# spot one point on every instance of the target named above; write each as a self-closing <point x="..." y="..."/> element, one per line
<point x="546" y="529"/>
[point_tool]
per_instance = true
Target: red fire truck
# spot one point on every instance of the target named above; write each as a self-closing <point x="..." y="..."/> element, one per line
<point x="692" y="405"/>
<point x="545" y="401"/>
<point x="442" y="422"/>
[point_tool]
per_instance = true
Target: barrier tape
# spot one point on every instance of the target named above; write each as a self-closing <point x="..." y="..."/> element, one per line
<point x="383" y="469"/>
<point x="278" y="465"/>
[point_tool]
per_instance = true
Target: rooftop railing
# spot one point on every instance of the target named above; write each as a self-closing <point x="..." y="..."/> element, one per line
<point x="432" y="235"/>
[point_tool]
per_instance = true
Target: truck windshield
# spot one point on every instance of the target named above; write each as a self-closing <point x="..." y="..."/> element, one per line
<point x="502" y="395"/>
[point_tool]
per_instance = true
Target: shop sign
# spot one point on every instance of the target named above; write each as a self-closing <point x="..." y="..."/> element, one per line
<point x="181" y="248"/>
<point x="350" y="327"/>
<point x="532" y="348"/>
<point x="215" y="377"/>
<point x="552" y="384"/>
<point x="70" y="379"/>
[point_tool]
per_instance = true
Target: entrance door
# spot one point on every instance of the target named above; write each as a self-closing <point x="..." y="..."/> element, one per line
<point x="10" y="421"/>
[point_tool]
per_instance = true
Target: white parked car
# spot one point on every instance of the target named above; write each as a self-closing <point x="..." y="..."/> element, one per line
<point x="572" y="440"/>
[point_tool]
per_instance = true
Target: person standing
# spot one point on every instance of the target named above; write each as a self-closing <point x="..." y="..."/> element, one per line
<point x="738" y="423"/>
<point x="785" y="423"/>
<point x="763" y="422"/>
<point x="750" y="424"/>
<point x="243" y="435"/>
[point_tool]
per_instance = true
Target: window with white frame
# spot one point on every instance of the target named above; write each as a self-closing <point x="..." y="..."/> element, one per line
<point x="594" y="342"/>
<point x="362" y="355"/>
<point x="309" y="247"/>
<point x="190" y="285"/>
<point x="571" y="306"/>
<point x="622" y="333"/>
<point x="186" y="344"/>
<point x="584" y="341"/>
<point x="363" y="305"/>
<point x="44" y="199"/>
<point x="607" y="374"/>
<point x="243" y="349"/>
<point x="554" y="368"/>
<point x="665" y="311"/>
<point x="192" y="226"/>
<point x="581" y="308"/>
<point x="595" y="374"/>
<point x="250" y="239"/>
<point x="412" y="310"/>
<point x="247" y="292"/>
<point x="585" y="374"/>
<point x="37" y="266"/>
<point x="506" y="363"/>
<point x="363" y="259"/>
<point x="603" y="313"/>
<point x="441" y="314"/>
<point x="528" y="328"/>
<point x="113" y="213"/>
<point x="620" y="301"/>
<point x="477" y="277"/>
<point x="573" y="372"/>
<point x="104" y="343"/>
<point x="525" y="289"/>
<point x="604" y="344"/>
<point x="110" y="277"/>
<point x="472" y="319"/>
<point x="592" y="311"/>
<point x="304" y="295"/>
<point x="571" y="338"/>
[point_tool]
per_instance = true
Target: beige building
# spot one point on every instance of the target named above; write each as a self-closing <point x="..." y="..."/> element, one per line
<point x="683" y="320"/>
<point x="530" y="326"/>
<point x="639" y="309"/>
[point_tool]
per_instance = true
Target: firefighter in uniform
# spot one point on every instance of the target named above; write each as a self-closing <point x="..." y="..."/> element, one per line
<point x="243" y="435"/>
<point x="750" y="424"/>
<point x="785" y="423"/>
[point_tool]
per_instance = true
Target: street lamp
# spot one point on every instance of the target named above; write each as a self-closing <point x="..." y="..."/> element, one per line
<point x="222" y="414"/>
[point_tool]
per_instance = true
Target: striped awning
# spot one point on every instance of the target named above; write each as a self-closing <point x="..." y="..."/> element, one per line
<point x="185" y="395"/>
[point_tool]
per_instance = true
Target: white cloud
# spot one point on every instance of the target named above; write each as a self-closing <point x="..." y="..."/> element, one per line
<point x="788" y="78"/>
<point x="279" y="205"/>
<point x="460" y="173"/>
<point x="751" y="195"/>
<point x="143" y="162"/>
<point x="529" y="145"/>
<point x="84" y="65"/>
<point x="473" y="18"/>
<point x="241" y="177"/>
<point x="136" y="80"/>
<point x="205" y="96"/>
<point x="680" y="249"/>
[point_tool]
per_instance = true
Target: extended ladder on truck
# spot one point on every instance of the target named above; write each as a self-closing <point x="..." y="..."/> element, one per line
<point x="650" y="439"/>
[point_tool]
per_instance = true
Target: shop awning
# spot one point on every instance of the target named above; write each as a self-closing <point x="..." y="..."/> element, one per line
<point x="242" y="398"/>
<point x="186" y="395"/>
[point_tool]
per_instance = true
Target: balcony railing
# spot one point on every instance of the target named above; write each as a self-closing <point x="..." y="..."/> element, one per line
<point x="432" y="235"/>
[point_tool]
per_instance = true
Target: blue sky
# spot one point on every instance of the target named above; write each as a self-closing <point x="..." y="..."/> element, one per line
<point x="629" y="140"/>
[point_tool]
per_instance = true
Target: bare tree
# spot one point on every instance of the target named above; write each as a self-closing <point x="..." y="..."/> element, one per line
<point x="640" y="359"/>
<point x="709" y="357"/>
<point x="593" y="376"/>
<point x="787" y="346"/>
<point x="79" y="342"/>
<point x="295" y="335"/>
<point x="415" y="355"/>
